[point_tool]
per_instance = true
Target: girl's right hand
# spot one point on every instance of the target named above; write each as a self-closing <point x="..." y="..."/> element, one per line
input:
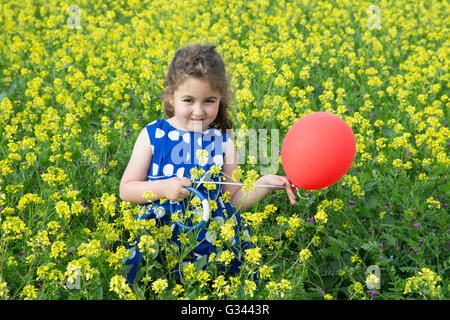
<point x="175" y="188"/>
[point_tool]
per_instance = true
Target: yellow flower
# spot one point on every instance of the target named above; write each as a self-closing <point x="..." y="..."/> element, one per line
<point x="149" y="195"/>
<point x="356" y="288"/>
<point x="304" y="255"/>
<point x="114" y="258"/>
<point x="54" y="176"/>
<point x="372" y="280"/>
<point x="189" y="271"/>
<point x="77" y="207"/>
<point x="265" y="271"/>
<point x="12" y="262"/>
<point x="177" y="290"/>
<point x="202" y="157"/>
<point x="63" y="209"/>
<point x="278" y="289"/>
<point x="203" y="277"/>
<point x="253" y="255"/>
<point x="109" y="203"/>
<point x="225" y="257"/>
<point x="4" y="292"/>
<point x="321" y="217"/>
<point x="29" y="292"/>
<point x="249" y="182"/>
<point x="356" y="260"/>
<point x="13" y="227"/>
<point x="91" y="249"/>
<point x="148" y="245"/>
<point x="249" y="288"/>
<point x="432" y="203"/>
<point x="304" y="73"/>
<point x="338" y="204"/>
<point x="158" y="286"/>
<point x="119" y="286"/>
<point x="58" y="249"/>
<point x="227" y="230"/>
<point x="29" y="198"/>
<point x="281" y="220"/>
<point x="40" y="241"/>
<point x="210" y="186"/>
<point x="215" y="170"/>
<point x="315" y="241"/>
<point x="225" y="197"/>
<point x="220" y="286"/>
<point x="196" y="173"/>
<point x="212" y="205"/>
<point x="237" y="174"/>
<point x="426" y="283"/>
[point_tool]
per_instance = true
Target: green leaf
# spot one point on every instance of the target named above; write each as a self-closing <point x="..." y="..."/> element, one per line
<point x="240" y="292"/>
<point x="99" y="293"/>
<point x="2" y="96"/>
<point x="200" y="263"/>
<point x="12" y="88"/>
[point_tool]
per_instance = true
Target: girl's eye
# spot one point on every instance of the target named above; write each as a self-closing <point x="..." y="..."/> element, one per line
<point x="187" y="100"/>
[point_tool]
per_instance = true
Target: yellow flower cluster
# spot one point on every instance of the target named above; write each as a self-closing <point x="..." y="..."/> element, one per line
<point x="29" y="198"/>
<point x="278" y="289"/>
<point x="224" y="288"/>
<point x="304" y="255"/>
<point x="372" y="280"/>
<point x="4" y="292"/>
<point x="119" y="286"/>
<point x="13" y="228"/>
<point x="159" y="285"/>
<point x="147" y="245"/>
<point x="426" y="284"/>
<point x="255" y="219"/>
<point x="253" y="256"/>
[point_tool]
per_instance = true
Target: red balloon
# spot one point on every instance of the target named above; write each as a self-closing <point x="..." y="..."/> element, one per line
<point x="318" y="150"/>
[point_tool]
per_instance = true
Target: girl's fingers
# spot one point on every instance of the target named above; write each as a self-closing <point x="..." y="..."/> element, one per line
<point x="290" y="193"/>
<point x="288" y="188"/>
<point x="185" y="182"/>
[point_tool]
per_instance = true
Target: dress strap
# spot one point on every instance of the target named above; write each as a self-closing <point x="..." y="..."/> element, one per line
<point x="157" y="135"/>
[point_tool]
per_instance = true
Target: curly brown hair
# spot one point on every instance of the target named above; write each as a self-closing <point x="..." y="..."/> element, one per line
<point x="201" y="62"/>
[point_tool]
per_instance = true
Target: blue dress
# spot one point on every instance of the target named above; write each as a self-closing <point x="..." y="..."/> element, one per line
<point x="174" y="154"/>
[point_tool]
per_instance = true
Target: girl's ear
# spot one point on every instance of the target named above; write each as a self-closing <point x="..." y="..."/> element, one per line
<point x="171" y="98"/>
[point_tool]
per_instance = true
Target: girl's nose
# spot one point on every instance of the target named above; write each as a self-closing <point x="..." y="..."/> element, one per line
<point x="197" y="110"/>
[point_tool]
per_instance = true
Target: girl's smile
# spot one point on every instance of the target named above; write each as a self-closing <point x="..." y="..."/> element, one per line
<point x="195" y="105"/>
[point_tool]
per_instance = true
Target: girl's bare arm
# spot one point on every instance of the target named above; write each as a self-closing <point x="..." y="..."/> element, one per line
<point x="243" y="200"/>
<point x="134" y="180"/>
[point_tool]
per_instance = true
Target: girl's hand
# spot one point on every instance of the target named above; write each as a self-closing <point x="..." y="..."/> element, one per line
<point x="175" y="188"/>
<point x="282" y="182"/>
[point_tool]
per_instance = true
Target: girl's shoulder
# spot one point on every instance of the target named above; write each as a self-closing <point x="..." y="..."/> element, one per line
<point x="156" y="123"/>
<point x="156" y="126"/>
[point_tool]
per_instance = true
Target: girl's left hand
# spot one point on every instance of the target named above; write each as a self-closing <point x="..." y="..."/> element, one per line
<point x="282" y="182"/>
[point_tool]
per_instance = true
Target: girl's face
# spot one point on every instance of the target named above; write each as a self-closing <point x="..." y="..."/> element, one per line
<point x="195" y="105"/>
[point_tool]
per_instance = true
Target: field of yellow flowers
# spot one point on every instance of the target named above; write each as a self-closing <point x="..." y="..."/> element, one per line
<point x="79" y="80"/>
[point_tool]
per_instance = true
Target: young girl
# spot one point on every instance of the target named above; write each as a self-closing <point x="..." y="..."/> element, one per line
<point x="165" y="159"/>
